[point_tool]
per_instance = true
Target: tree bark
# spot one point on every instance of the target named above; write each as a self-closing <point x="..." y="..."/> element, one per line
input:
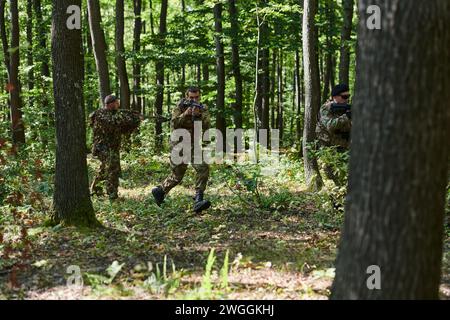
<point x="160" y="76"/>
<point x="344" y="63"/>
<point x="220" y="69"/>
<point x="99" y="46"/>
<point x="312" y="94"/>
<point x="71" y="203"/>
<point x="120" y="58"/>
<point x="399" y="162"/>
<point x="17" y="126"/>
<point x="236" y="62"/>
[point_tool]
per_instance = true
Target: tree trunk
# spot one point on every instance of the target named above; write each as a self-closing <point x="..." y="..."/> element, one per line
<point x="30" y="47"/>
<point x="199" y="74"/>
<point x="273" y="89"/>
<point x="4" y="36"/>
<point x="99" y="46"/>
<point x="183" y="65"/>
<point x="298" y="95"/>
<point x="18" y="129"/>
<point x="280" y="124"/>
<point x="205" y="72"/>
<point x="120" y="59"/>
<point x="41" y="32"/>
<point x="399" y="162"/>
<point x="265" y="71"/>
<point x="312" y="94"/>
<point x="327" y="74"/>
<point x="160" y="76"/>
<point x="344" y="63"/>
<point x="5" y="48"/>
<point x="152" y="23"/>
<point x="71" y="203"/>
<point x="137" y="100"/>
<point x="236" y="62"/>
<point x="220" y="67"/>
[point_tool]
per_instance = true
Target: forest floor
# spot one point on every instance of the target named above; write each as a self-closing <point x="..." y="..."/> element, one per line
<point x="281" y="243"/>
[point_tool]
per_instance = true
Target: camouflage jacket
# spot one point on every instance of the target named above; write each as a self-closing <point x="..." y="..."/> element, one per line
<point x="108" y="126"/>
<point x="333" y="129"/>
<point x="179" y="121"/>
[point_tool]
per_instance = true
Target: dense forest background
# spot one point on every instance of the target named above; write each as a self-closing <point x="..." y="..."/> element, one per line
<point x="170" y="45"/>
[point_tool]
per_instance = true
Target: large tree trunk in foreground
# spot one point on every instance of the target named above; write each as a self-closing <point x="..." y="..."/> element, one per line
<point x="312" y="93"/>
<point x="71" y="203"/>
<point x="400" y="156"/>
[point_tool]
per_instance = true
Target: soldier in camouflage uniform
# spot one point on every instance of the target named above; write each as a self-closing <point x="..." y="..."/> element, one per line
<point x="333" y="129"/>
<point x="183" y="117"/>
<point x="109" y="124"/>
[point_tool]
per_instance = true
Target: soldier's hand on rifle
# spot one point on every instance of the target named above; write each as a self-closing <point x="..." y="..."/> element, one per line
<point x="188" y="112"/>
<point x="196" y="112"/>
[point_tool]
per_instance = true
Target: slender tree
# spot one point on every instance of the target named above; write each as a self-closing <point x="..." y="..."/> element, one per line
<point x="220" y="69"/>
<point x="18" y="128"/>
<point x="29" y="32"/>
<point x="344" y="62"/>
<point x="137" y="70"/>
<point x="264" y="70"/>
<point x="298" y="94"/>
<point x="312" y="93"/>
<point x="280" y="96"/>
<point x="159" y="101"/>
<point x="5" y="46"/>
<point x="236" y="62"/>
<point x="4" y="36"/>
<point x="41" y="34"/>
<point x="398" y="163"/>
<point x="71" y="203"/>
<point x="152" y="23"/>
<point x="183" y="35"/>
<point x="99" y="46"/>
<point x="120" y="58"/>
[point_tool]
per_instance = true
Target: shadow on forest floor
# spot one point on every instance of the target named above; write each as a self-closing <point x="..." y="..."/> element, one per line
<point x="273" y="254"/>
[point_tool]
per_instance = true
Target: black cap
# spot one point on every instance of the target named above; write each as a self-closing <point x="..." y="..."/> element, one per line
<point x="110" y="99"/>
<point x="337" y="90"/>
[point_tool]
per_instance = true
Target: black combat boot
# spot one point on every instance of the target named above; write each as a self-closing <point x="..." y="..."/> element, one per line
<point x="200" y="204"/>
<point x="158" y="194"/>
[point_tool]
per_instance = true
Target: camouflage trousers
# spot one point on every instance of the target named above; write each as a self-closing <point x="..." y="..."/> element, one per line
<point x="108" y="174"/>
<point x="328" y="169"/>
<point x="178" y="172"/>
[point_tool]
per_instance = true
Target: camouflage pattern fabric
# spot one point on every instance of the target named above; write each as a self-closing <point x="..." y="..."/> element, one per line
<point x="179" y="121"/>
<point x="333" y="129"/>
<point x="108" y="174"/>
<point x="109" y="126"/>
